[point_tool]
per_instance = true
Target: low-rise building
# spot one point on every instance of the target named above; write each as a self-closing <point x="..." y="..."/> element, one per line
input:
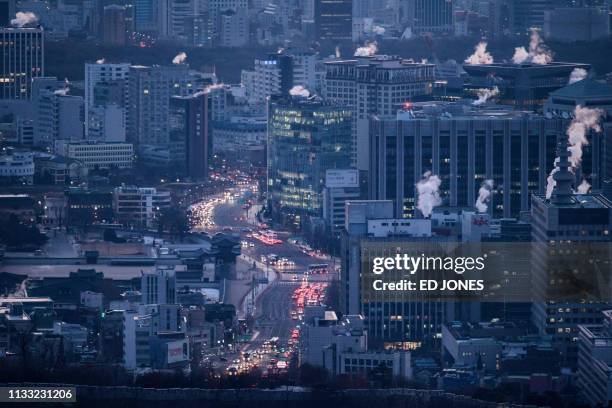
<point x="98" y="155"/>
<point x="138" y="206"/>
<point x="16" y="166"/>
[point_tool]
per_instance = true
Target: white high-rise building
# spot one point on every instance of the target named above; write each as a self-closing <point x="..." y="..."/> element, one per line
<point x="96" y="74"/>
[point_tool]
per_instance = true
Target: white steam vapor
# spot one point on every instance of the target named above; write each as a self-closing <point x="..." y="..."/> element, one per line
<point x="378" y="30"/>
<point x="484" y="196"/>
<point x="61" y="92"/>
<point x="585" y="120"/>
<point x="338" y="54"/>
<point x="101" y="61"/>
<point x="24" y="18"/>
<point x="429" y="194"/>
<point x="538" y="51"/>
<point x="299" y="90"/>
<point x="577" y="75"/>
<point x="484" y="95"/>
<point x="480" y="56"/>
<point x="369" y="49"/>
<point x="180" y="58"/>
<point x="584" y="187"/>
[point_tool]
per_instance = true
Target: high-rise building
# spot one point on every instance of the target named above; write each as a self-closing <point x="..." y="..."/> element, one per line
<point x="108" y="74"/>
<point x="23" y="58"/>
<point x="7" y="12"/>
<point x="189" y="126"/>
<point x="234" y="28"/>
<point x="378" y="85"/>
<point x="305" y="139"/>
<point x="106" y="121"/>
<point x="146" y="16"/>
<point x="528" y="14"/>
<point x="150" y="89"/>
<point x="571" y="235"/>
<point x="333" y="19"/>
<point x="428" y="15"/>
<point x="58" y="117"/>
<point x="114" y="29"/>
<point x="465" y="147"/>
<point x="272" y="76"/>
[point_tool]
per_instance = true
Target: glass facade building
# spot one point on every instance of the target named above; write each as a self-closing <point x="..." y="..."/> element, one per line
<point x="305" y="138"/>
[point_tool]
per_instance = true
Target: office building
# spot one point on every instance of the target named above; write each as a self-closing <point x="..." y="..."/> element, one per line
<point x="16" y="166"/>
<point x="158" y="287"/>
<point x="189" y="127"/>
<point x="234" y="28"/>
<point x="595" y="361"/>
<point x="573" y="24"/>
<point x="377" y="85"/>
<point x="524" y="86"/>
<point x="465" y="146"/>
<point x="146" y="16"/>
<point x="528" y="13"/>
<point x="150" y="90"/>
<point x="139" y="207"/>
<point x="333" y="20"/>
<point x="23" y="58"/>
<point x="403" y="320"/>
<point x="305" y="139"/>
<point x="341" y="185"/>
<point x="341" y="346"/>
<point x="428" y="16"/>
<point x="7" y="12"/>
<point x="114" y="29"/>
<point x="87" y="207"/>
<point x="98" y="155"/>
<point x="111" y="82"/>
<point x="58" y="117"/>
<point x="582" y="223"/>
<point x="272" y="76"/>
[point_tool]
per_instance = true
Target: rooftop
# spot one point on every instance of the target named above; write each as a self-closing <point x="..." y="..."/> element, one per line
<point x="587" y="88"/>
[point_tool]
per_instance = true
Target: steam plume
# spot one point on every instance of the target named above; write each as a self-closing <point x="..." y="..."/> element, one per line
<point x="585" y="120"/>
<point x="369" y="49"/>
<point x="577" y="75"/>
<point x="101" y="61"/>
<point x="484" y="196"/>
<point x="180" y="58"/>
<point x="584" y="187"/>
<point x="538" y="51"/>
<point x="429" y="195"/>
<point x="480" y="56"/>
<point x="338" y="54"/>
<point x="484" y="95"/>
<point x="299" y="90"/>
<point x="24" y="18"/>
<point x="378" y="30"/>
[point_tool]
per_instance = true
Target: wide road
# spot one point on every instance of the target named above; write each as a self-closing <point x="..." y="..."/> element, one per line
<point x="273" y="318"/>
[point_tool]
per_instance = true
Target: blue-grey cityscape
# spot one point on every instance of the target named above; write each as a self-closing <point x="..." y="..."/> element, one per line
<point x="298" y="203"/>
